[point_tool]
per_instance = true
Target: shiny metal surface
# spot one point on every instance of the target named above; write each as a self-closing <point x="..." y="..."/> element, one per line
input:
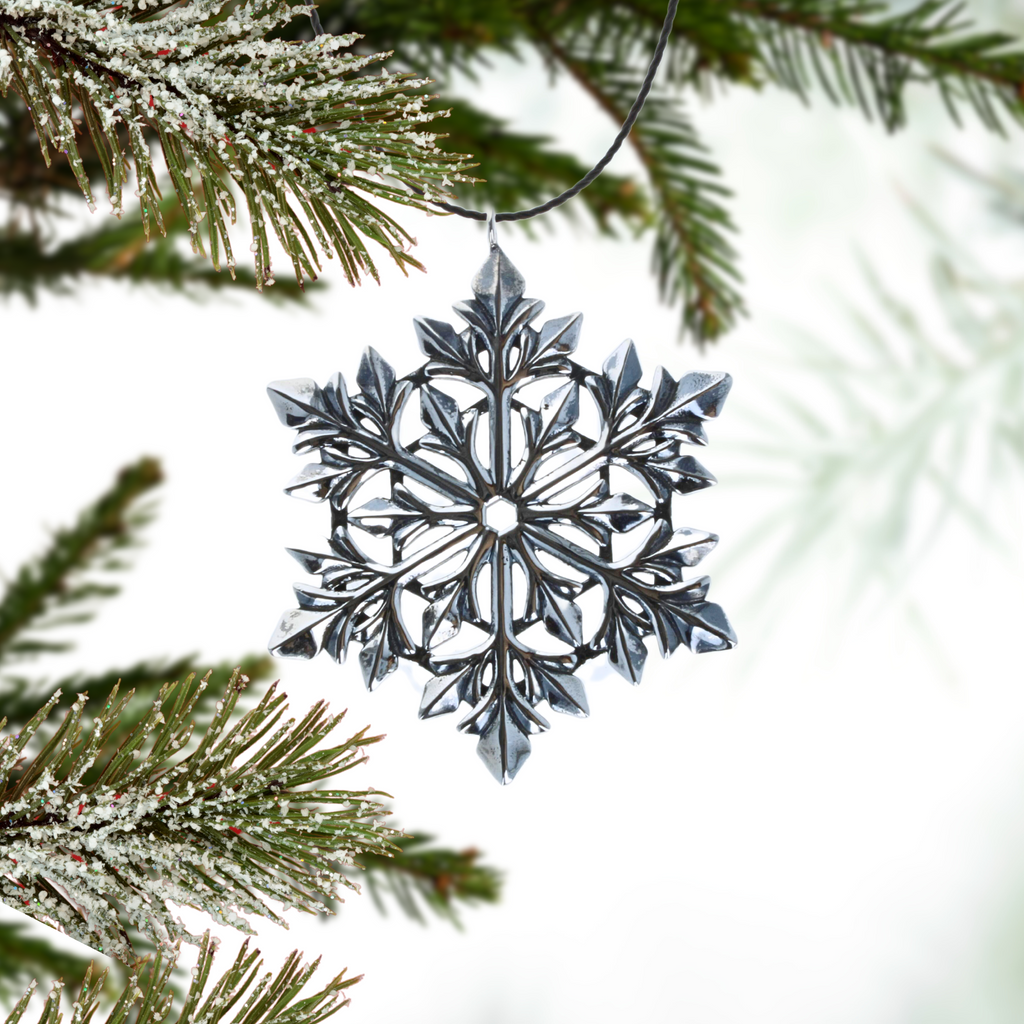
<point x="503" y="516"/>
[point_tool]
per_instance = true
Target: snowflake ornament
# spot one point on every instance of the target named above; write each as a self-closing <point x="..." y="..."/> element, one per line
<point x="502" y="517"/>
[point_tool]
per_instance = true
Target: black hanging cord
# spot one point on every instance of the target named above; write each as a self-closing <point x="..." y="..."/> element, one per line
<point x="634" y="113"/>
<point x="551" y="204"/>
<point x="318" y="29"/>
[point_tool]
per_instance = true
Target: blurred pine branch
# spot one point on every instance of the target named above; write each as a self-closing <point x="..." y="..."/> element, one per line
<point x="52" y="590"/>
<point x="857" y="52"/>
<point x="419" y="872"/>
<point x="119" y="251"/>
<point x="874" y="452"/>
<point x="25" y="957"/>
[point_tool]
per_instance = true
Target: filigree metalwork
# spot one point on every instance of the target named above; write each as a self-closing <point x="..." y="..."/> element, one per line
<point x="502" y="516"/>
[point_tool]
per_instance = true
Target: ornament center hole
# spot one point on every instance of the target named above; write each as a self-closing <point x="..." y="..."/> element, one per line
<point x="501" y="516"/>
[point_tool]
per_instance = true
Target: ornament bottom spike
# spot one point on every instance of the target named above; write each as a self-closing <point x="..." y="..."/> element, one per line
<point x="502" y="516"/>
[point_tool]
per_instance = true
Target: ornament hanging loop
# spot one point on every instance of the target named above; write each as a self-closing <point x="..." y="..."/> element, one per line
<point x="492" y="230"/>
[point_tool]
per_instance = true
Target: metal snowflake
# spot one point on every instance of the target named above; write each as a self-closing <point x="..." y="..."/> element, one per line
<point x="501" y="516"/>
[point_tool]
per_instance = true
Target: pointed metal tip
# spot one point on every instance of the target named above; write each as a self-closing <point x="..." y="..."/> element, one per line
<point x="504" y="750"/>
<point x="498" y="284"/>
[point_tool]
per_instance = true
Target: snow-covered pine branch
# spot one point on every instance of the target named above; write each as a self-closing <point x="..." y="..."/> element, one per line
<point x="221" y="828"/>
<point x="306" y="139"/>
<point x="148" y="993"/>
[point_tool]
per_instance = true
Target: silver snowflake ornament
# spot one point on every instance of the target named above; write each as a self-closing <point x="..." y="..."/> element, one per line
<point x="494" y="526"/>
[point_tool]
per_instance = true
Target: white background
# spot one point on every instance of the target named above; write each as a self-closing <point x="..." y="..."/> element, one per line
<point x="817" y="827"/>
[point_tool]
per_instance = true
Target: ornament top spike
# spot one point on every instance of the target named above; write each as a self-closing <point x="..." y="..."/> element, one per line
<point x="500" y="515"/>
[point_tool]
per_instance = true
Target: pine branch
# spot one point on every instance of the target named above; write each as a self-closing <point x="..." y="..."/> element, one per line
<point x="49" y="591"/>
<point x="432" y="38"/>
<point x="158" y="829"/>
<point x="519" y="170"/>
<point x="435" y="38"/>
<point x="24" y="957"/>
<point x="22" y="697"/>
<point x="438" y="877"/>
<point x="909" y="433"/>
<point x="692" y="259"/>
<point x="119" y="251"/>
<point x="862" y="53"/>
<point x="272" y="117"/>
<point x="148" y="994"/>
<point x="26" y="180"/>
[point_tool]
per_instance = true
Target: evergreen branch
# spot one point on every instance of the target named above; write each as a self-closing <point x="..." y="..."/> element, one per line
<point x="25" y="178"/>
<point x="24" y="957"/>
<point x="909" y="433"/>
<point x="864" y="54"/>
<point x="22" y="697"/>
<point x="439" y="877"/>
<point x="692" y="259"/>
<point x="42" y="590"/>
<point x="148" y="993"/>
<point x="429" y="38"/>
<point x="705" y="39"/>
<point x="273" y="117"/>
<point x="158" y="828"/>
<point x="118" y="251"/>
<point x="435" y="38"/>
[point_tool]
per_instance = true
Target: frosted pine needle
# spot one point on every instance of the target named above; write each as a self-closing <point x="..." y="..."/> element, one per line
<point x="148" y="993"/>
<point x="286" y="122"/>
<point x="222" y="829"/>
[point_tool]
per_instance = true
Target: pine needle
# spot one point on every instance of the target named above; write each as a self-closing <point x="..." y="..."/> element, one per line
<point x="148" y="994"/>
<point x="420" y="873"/>
<point x="50" y="590"/>
<point x="297" y="127"/>
<point x="221" y="829"/>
